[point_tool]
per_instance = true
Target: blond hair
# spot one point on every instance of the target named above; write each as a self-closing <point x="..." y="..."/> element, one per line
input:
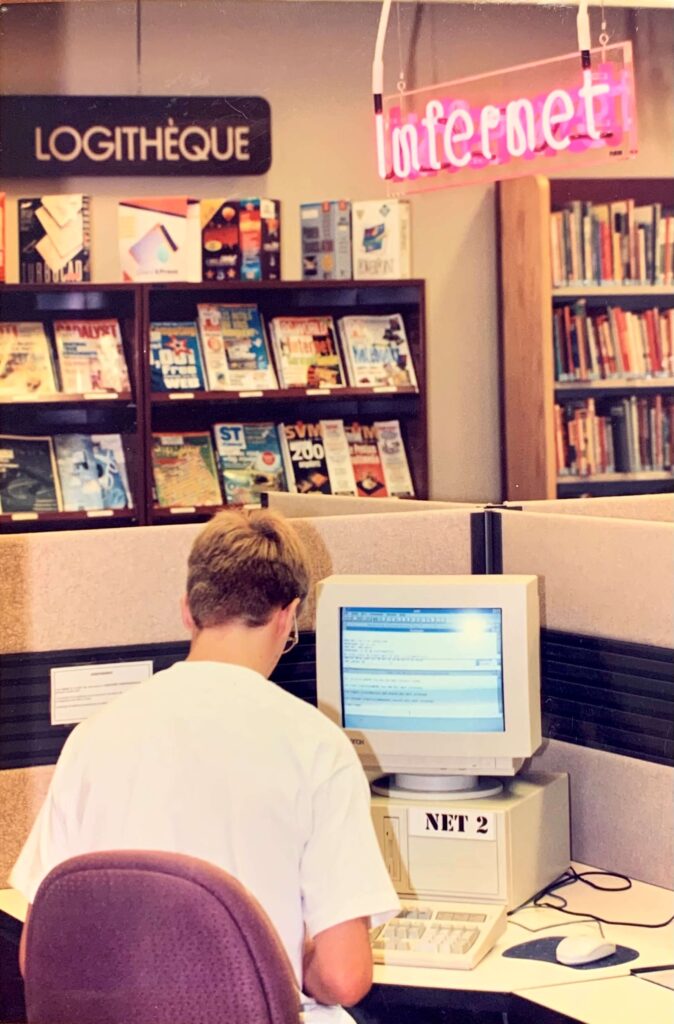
<point x="243" y="565"/>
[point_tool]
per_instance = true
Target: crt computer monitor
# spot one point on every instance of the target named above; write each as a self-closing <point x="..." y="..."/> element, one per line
<point x="435" y="679"/>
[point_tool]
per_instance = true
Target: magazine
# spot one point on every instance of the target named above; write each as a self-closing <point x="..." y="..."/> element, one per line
<point x="92" y="471"/>
<point x="113" y="479"/>
<point x="91" y="356"/>
<point x="307" y="353"/>
<point x="250" y="461"/>
<point x="366" y="461"/>
<point x="78" y="472"/>
<point x="337" y="457"/>
<point x="376" y="351"/>
<point x="184" y="470"/>
<point x="26" y="364"/>
<point x="394" y="459"/>
<point x="28" y="477"/>
<point x="175" y="357"/>
<point x="304" y="458"/>
<point x="235" y="348"/>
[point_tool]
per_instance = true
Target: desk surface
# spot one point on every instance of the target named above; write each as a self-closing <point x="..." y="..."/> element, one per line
<point x="496" y="973"/>
<point x="608" y="1001"/>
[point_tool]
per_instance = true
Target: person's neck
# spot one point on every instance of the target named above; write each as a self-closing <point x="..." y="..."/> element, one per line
<point x="233" y="644"/>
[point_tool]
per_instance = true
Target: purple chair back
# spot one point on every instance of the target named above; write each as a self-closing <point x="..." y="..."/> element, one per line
<point x="145" y="937"/>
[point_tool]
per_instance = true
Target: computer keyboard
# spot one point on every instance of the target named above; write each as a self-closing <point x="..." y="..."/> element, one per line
<point x="438" y="934"/>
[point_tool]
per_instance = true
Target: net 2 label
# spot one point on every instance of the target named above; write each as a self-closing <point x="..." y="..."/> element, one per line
<point x="439" y="824"/>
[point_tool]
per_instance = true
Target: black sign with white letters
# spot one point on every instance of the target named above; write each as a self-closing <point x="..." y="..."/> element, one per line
<point x="57" y="136"/>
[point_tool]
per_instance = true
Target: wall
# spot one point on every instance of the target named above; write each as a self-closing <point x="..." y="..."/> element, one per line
<point x="312" y="62"/>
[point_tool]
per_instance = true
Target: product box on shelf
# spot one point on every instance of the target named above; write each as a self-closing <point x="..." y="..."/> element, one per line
<point x="54" y="239"/>
<point x="159" y="239"/>
<point x="241" y="239"/>
<point x="381" y="239"/>
<point x="326" y="240"/>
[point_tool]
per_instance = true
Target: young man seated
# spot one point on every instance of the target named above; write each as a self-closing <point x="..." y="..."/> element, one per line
<point x="210" y="759"/>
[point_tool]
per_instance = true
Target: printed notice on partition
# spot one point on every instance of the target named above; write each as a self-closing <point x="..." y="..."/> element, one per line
<point x="78" y="691"/>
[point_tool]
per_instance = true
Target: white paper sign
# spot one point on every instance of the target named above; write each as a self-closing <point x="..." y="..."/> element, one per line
<point x="78" y="691"/>
<point x="439" y="824"/>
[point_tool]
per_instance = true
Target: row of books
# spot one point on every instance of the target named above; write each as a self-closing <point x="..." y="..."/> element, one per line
<point x="88" y="356"/>
<point x="64" y="473"/>
<point x="179" y="238"/>
<point x="630" y="435"/>
<point x="239" y="461"/>
<point x="228" y="350"/>
<point x="612" y="243"/>
<point x="614" y="343"/>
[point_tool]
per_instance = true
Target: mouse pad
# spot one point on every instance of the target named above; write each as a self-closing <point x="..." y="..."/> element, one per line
<point x="544" y="950"/>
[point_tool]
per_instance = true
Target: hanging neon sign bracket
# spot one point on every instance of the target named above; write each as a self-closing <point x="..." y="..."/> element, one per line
<point x="569" y="111"/>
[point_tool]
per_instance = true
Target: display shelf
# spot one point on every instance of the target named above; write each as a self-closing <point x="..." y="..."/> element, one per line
<point x="599" y="388"/>
<point x="139" y="413"/>
<point x="13" y="522"/>
<point x="613" y="291"/>
<point x="529" y="388"/>
<point x="281" y="395"/>
<point x="59" y="398"/>
<point x="649" y="482"/>
<point x="186" y="514"/>
<point x="167" y="412"/>
<point x="95" y="412"/>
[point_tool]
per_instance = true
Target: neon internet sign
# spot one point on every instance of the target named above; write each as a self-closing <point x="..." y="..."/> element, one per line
<point x="549" y="112"/>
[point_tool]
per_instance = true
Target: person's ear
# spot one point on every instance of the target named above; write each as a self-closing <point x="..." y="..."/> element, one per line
<point x="186" y="615"/>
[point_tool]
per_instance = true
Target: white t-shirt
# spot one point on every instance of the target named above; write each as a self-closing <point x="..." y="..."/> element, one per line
<point x="214" y="761"/>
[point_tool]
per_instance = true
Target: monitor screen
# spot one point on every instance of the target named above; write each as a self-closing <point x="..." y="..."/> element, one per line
<point x="422" y="669"/>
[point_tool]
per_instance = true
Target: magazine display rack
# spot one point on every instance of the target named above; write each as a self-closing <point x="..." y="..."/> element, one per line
<point x="87" y="413"/>
<point x="143" y="412"/>
<point x="530" y="390"/>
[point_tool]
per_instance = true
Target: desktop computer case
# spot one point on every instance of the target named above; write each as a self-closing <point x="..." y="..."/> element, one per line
<point x="500" y="849"/>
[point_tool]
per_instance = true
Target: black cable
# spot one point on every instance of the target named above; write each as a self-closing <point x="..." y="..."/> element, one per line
<point x="570" y="877"/>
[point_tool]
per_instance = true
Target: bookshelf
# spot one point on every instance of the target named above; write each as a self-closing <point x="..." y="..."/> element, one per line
<point x="99" y="413"/>
<point x="528" y="301"/>
<point x="139" y="414"/>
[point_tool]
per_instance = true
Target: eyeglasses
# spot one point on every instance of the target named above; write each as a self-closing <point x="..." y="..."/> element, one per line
<point x="293" y="637"/>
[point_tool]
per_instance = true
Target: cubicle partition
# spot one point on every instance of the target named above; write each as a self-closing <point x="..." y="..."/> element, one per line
<point x="607" y="602"/>
<point x="607" y="590"/>
<point x="296" y="506"/>
<point x="653" y="507"/>
<point x="85" y="597"/>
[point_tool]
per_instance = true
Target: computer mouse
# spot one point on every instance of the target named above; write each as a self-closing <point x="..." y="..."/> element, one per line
<point x="575" y="950"/>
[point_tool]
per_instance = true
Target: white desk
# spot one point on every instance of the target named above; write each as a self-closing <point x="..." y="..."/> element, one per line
<point x="614" y="1001"/>
<point x="587" y="996"/>
<point x="497" y="973"/>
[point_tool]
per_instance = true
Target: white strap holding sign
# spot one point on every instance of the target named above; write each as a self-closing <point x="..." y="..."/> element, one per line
<point x="79" y="690"/>
<point x="437" y="823"/>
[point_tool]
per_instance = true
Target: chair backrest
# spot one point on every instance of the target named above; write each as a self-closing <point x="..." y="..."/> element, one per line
<point x="145" y="937"/>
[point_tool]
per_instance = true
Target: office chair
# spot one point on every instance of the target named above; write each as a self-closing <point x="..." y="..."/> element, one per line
<point x="145" y="937"/>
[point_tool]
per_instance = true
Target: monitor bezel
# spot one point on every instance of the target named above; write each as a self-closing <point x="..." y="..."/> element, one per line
<point x="477" y="753"/>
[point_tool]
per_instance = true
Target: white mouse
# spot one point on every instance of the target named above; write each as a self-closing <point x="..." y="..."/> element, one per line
<point x="575" y="950"/>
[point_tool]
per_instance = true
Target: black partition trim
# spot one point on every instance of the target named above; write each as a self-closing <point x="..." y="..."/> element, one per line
<point x="605" y="694"/>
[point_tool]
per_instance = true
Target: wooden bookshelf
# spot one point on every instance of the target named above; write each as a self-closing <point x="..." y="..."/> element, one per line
<point x="529" y="388"/>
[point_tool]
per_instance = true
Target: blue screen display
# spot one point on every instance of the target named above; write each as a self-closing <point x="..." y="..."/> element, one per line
<point x="422" y="669"/>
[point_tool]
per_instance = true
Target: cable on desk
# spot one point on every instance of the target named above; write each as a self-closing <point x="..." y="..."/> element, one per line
<point x="570" y="877"/>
